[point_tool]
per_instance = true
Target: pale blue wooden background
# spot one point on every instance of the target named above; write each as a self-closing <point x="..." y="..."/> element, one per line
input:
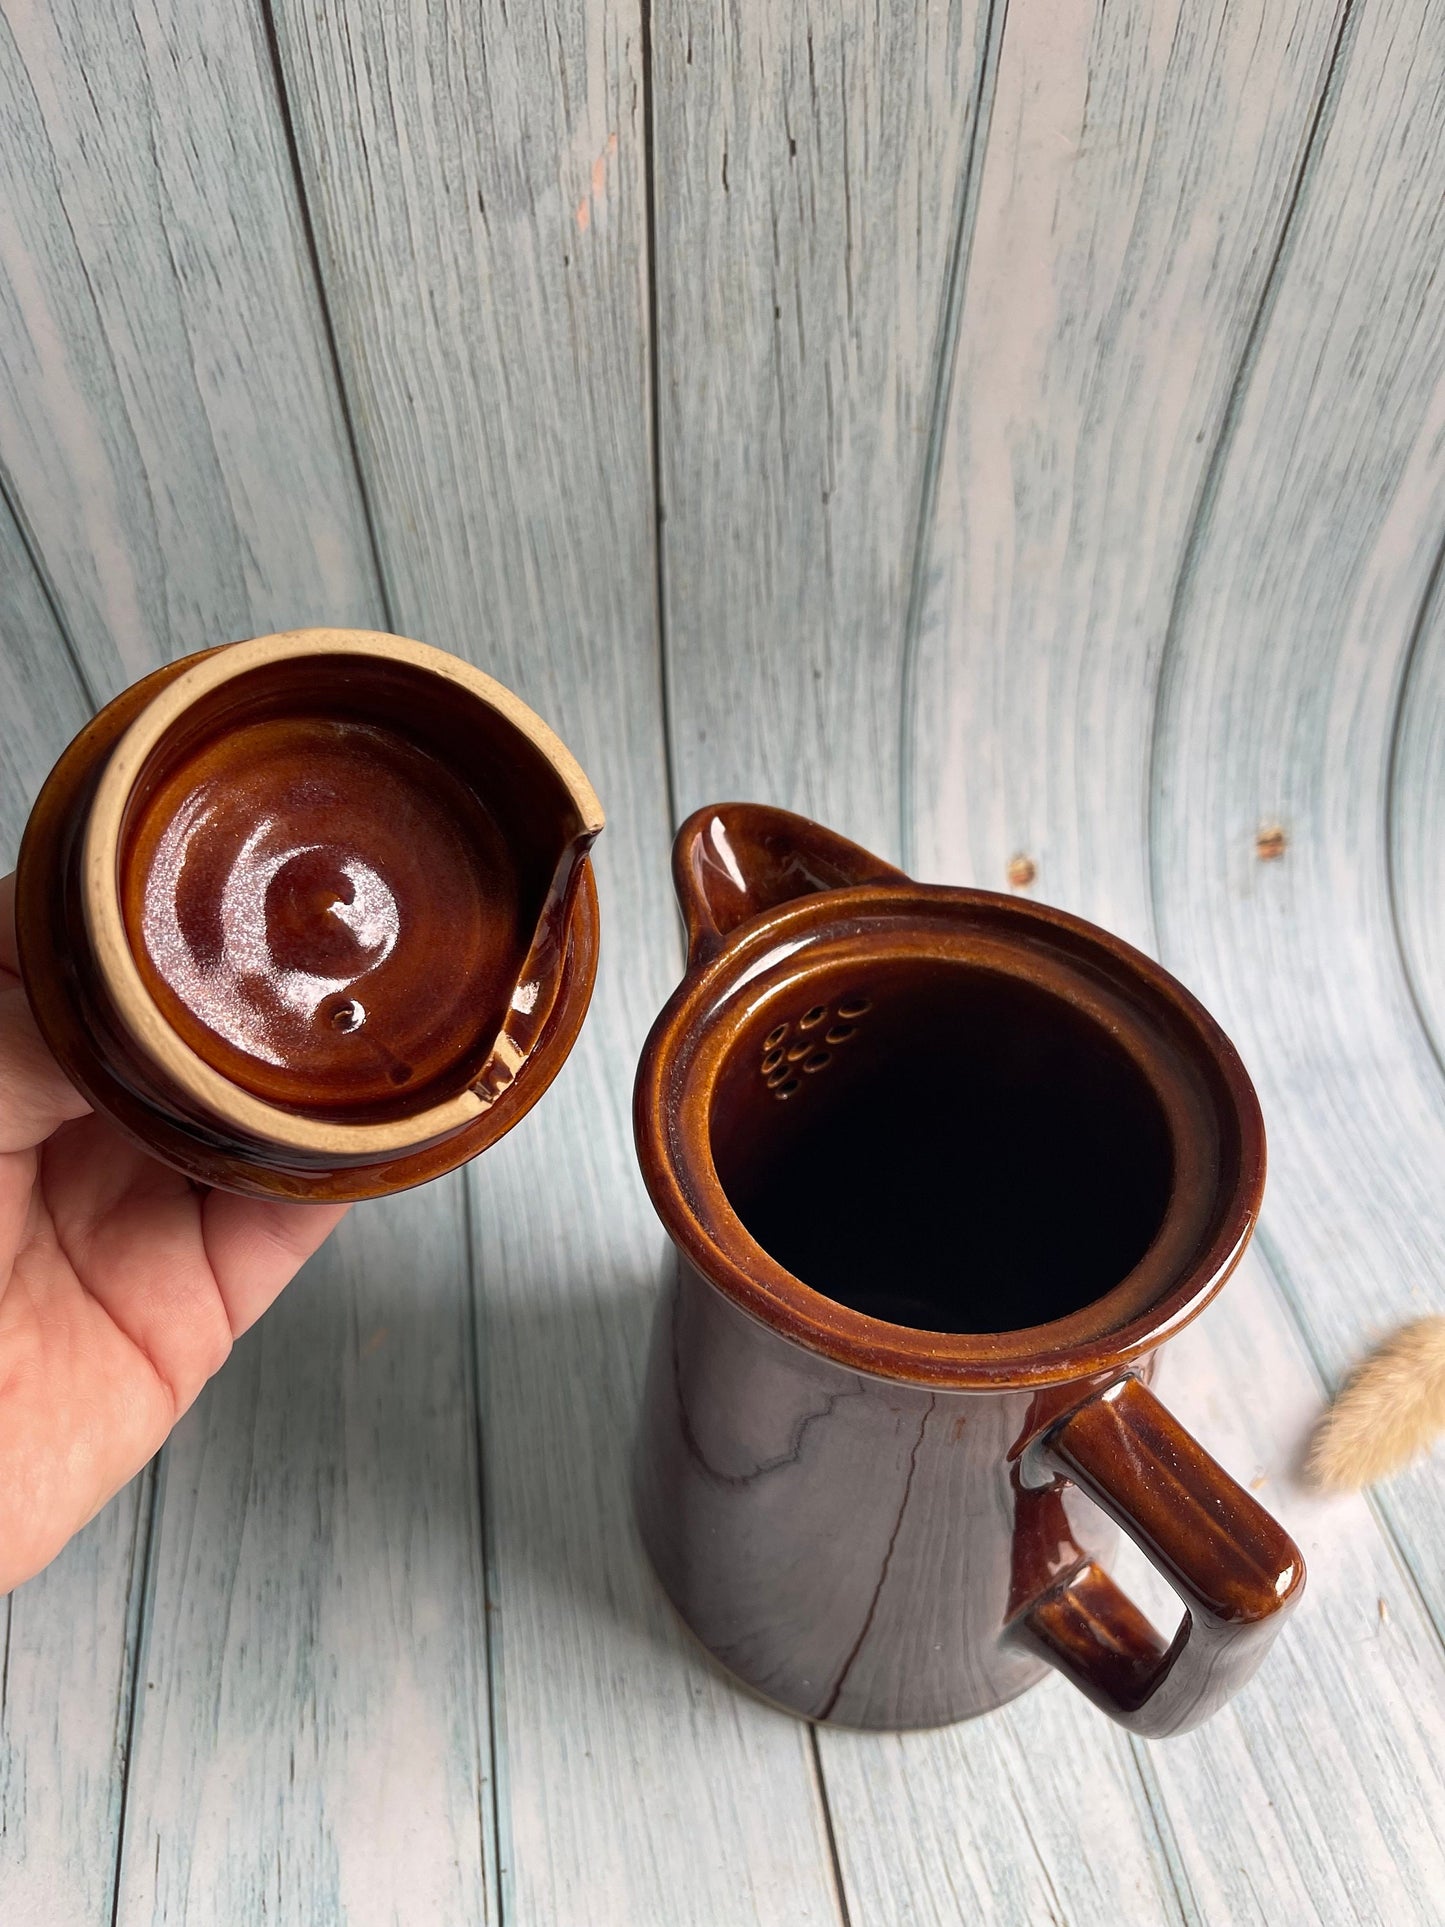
<point x="1000" y="427"/>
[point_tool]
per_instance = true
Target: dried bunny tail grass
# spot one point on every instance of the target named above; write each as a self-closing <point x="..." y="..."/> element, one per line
<point x="1388" y="1413"/>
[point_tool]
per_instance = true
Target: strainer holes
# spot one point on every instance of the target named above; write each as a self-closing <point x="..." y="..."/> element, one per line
<point x="817" y="1060"/>
<point x="854" y="1006"/>
<point x="787" y="1089"/>
<point x="840" y="1033"/>
<point x="775" y="1037"/>
<point x="772" y="1061"/>
<point x="812" y="1018"/>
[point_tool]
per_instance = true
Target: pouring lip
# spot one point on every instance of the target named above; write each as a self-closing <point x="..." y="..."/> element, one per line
<point x="691" y="1040"/>
<point x="205" y="1087"/>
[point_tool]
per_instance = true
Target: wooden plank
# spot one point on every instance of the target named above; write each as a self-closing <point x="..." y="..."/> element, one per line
<point x="1317" y="552"/>
<point x="1084" y="411"/>
<point x="916" y="1840"/>
<point x="174" y="434"/>
<point x="66" y="1638"/>
<point x="312" y="1740"/>
<point x="42" y="697"/>
<point x="1135" y="188"/>
<point x="1416" y="806"/>
<point x="811" y="179"/>
<point x="169" y="420"/>
<point x="66" y="1679"/>
<point x="494" y="158"/>
<point x="543" y="494"/>
<point x="993" y="1820"/>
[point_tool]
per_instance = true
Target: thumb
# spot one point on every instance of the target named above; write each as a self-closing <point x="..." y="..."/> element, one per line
<point x="35" y="1095"/>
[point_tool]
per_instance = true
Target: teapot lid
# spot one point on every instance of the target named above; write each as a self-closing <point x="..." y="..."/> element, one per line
<point x="331" y="888"/>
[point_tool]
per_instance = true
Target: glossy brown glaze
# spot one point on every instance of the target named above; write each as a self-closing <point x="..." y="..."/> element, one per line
<point x="326" y="914"/>
<point x="1235" y="1570"/>
<point x="351" y="891"/>
<point x="944" y="1169"/>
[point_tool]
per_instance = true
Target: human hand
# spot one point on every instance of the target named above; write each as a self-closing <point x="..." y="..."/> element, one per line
<point x="122" y="1287"/>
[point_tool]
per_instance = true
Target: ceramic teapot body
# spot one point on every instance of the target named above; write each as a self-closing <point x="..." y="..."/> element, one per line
<point x="943" y="1170"/>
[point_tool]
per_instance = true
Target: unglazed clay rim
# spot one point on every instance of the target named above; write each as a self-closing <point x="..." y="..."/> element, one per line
<point x="684" y="1054"/>
<point x="105" y="924"/>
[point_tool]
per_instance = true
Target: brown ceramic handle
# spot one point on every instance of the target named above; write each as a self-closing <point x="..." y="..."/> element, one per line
<point x="1237" y="1571"/>
<point x="732" y="860"/>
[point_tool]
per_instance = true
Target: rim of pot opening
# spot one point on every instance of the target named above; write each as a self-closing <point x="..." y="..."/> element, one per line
<point x="1157" y="1021"/>
<point x="142" y="1017"/>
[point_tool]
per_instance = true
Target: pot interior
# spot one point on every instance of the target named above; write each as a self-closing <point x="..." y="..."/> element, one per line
<point x="940" y="1144"/>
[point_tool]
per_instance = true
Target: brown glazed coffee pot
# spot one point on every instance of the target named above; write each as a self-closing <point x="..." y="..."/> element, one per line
<point x="311" y="916"/>
<point x="944" y="1169"/>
